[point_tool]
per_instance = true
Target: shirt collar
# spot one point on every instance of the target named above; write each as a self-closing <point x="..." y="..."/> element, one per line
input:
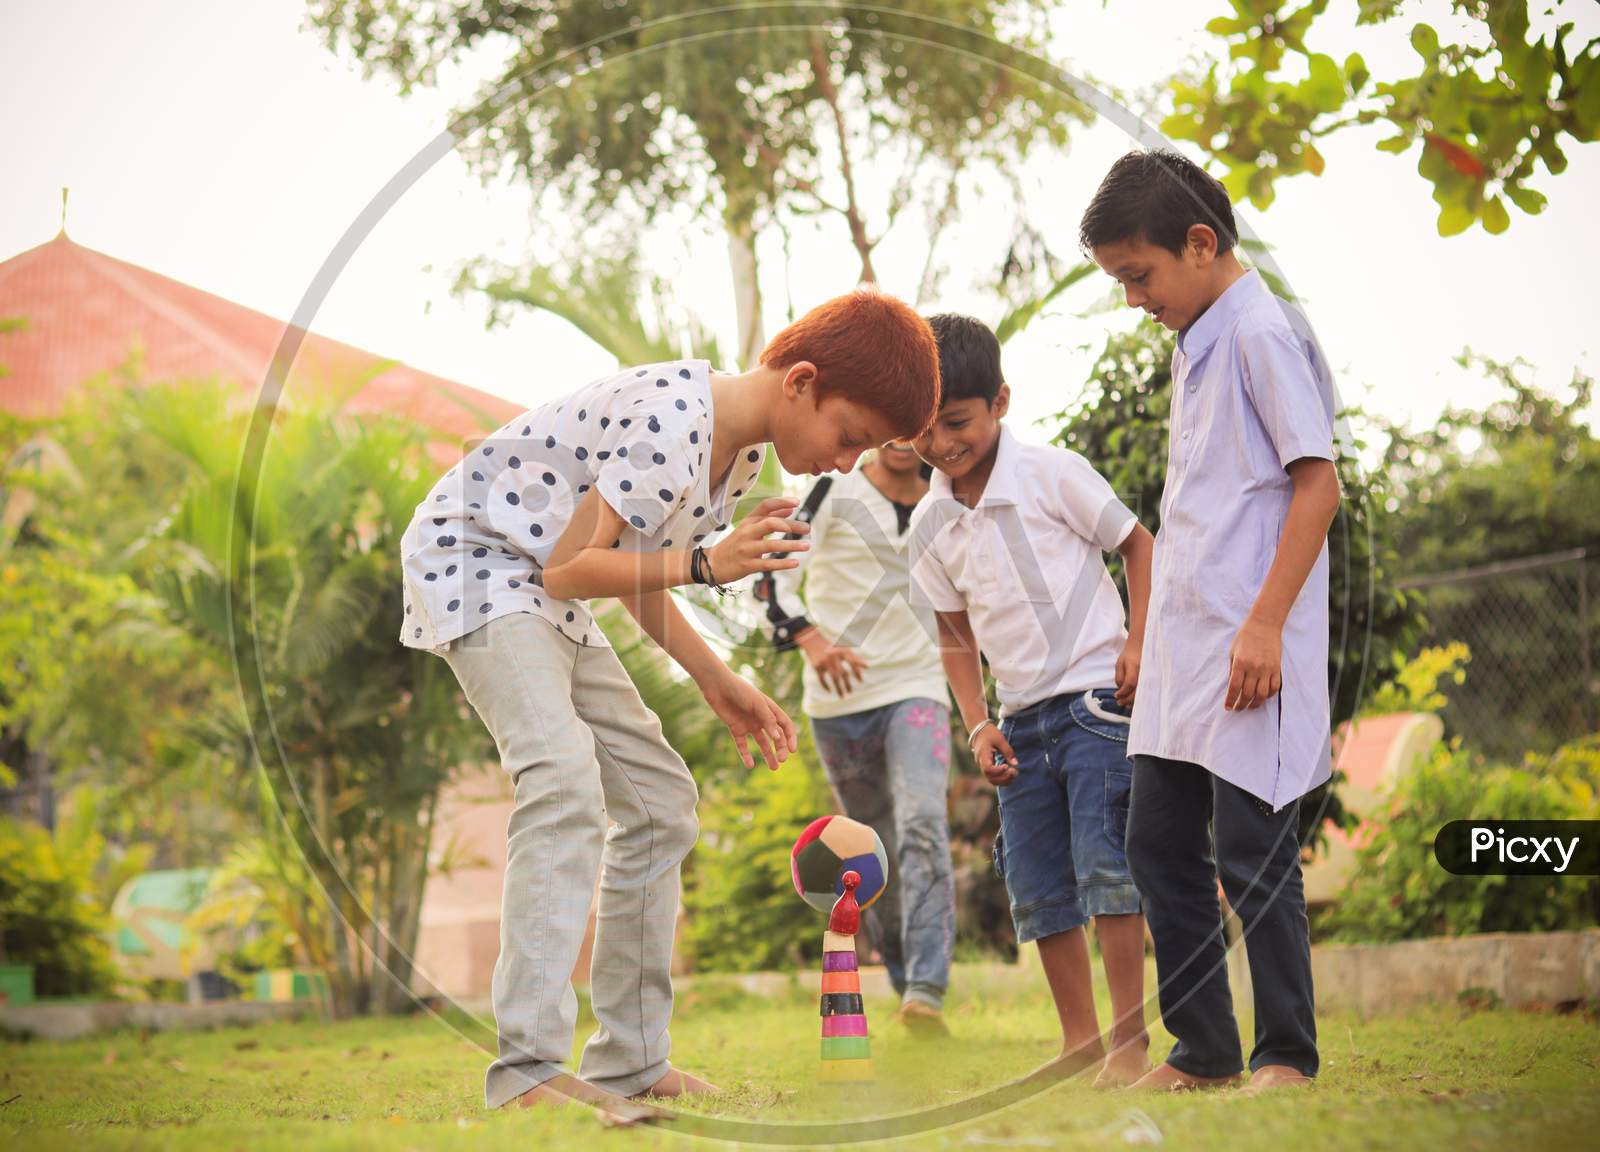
<point x="1002" y="485"/>
<point x="1197" y="339"/>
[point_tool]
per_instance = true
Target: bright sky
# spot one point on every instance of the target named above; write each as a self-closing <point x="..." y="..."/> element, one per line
<point x="223" y="145"/>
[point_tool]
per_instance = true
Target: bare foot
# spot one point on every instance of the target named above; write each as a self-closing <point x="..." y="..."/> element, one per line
<point x="1271" y="1077"/>
<point x="1072" y="1062"/>
<point x="564" y="1089"/>
<point x="1166" y="1078"/>
<point x="1125" y="1065"/>
<point x="922" y="1020"/>
<point x="676" y="1083"/>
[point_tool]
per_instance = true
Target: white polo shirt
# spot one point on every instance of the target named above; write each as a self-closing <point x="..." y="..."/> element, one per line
<point x="1028" y="566"/>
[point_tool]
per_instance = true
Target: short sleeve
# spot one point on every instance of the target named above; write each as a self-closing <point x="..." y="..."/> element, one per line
<point x="642" y="464"/>
<point x="1085" y="500"/>
<point x="1293" y="401"/>
<point x="930" y="583"/>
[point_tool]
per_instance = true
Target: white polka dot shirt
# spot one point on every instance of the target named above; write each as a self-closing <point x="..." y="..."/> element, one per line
<point x="477" y="545"/>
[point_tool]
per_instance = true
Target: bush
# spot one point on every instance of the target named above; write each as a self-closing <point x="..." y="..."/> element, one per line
<point x="1400" y="892"/>
<point x="743" y="913"/>
<point x="48" y="915"/>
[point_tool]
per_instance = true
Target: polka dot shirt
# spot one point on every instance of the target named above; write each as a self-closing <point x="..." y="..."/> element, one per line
<point x="477" y="545"/>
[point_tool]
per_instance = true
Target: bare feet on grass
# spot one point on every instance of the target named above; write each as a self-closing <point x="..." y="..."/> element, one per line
<point x="559" y="1091"/>
<point x="1073" y="1061"/>
<point x="1272" y="1077"/>
<point x="1125" y="1066"/>
<point x="1166" y="1078"/>
<point x="676" y="1083"/>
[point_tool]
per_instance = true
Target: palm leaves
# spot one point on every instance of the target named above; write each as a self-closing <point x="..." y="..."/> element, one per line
<point x="286" y="574"/>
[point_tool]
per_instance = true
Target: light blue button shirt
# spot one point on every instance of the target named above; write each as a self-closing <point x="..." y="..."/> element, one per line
<point x="1251" y="394"/>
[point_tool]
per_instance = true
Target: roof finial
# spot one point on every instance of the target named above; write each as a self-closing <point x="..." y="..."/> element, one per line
<point x="63" y="210"/>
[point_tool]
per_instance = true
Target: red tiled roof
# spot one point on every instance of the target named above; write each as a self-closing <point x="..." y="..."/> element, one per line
<point x="86" y="312"/>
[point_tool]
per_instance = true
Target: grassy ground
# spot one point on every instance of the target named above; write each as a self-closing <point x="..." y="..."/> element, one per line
<point x="1454" y="1078"/>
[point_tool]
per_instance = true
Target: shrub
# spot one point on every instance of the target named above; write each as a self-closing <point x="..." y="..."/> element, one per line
<point x="743" y="913"/>
<point x="48" y="914"/>
<point x="1399" y="891"/>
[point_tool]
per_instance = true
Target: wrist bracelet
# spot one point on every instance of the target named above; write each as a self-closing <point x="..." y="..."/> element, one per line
<point x="700" y="572"/>
<point x="973" y="735"/>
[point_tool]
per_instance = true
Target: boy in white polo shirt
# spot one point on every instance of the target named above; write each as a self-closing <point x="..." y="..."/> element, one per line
<point x="1007" y="550"/>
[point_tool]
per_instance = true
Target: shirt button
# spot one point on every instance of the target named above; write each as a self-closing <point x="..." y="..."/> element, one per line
<point x="1186" y="435"/>
<point x="1192" y="387"/>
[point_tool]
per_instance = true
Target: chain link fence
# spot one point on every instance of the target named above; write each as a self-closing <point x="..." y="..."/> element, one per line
<point x="1529" y="625"/>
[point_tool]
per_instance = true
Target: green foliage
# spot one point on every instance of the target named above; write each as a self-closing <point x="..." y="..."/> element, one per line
<point x="1415" y="685"/>
<point x="49" y="916"/>
<point x="1399" y="891"/>
<point x="264" y="901"/>
<point x="1486" y="108"/>
<point x="173" y="562"/>
<point x="731" y="106"/>
<point x="750" y="114"/>
<point x="744" y="914"/>
<point x="1120" y="423"/>
<point x="1519" y="478"/>
<point x="602" y="294"/>
<point x="1575" y="768"/>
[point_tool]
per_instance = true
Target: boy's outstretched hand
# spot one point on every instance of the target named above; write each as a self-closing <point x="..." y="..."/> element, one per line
<point x="745" y="550"/>
<point x="1255" y="670"/>
<point x="748" y="712"/>
<point x="995" y="757"/>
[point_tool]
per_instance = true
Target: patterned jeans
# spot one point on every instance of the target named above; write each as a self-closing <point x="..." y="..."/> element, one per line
<point x="889" y="767"/>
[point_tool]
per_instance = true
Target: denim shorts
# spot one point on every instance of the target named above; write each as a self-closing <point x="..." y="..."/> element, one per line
<point x="1064" y="819"/>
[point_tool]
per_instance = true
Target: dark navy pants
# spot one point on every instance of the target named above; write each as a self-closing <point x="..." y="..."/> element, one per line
<point x="1187" y="828"/>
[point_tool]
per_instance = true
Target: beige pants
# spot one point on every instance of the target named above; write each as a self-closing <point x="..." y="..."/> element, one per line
<point x="582" y="748"/>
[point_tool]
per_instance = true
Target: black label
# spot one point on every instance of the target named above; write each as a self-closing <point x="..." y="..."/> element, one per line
<point x="1519" y="847"/>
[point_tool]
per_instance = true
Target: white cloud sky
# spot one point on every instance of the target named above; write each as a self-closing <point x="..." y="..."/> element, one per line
<point x="224" y="146"/>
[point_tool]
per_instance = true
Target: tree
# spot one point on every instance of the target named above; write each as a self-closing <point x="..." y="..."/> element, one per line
<point x="1121" y="425"/>
<point x="187" y="638"/>
<point x="1486" y="108"/>
<point x="362" y="734"/>
<point x="1519" y="479"/>
<point x="742" y="112"/>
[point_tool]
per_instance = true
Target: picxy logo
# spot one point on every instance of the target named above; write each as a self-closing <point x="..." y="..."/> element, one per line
<point x="1519" y="847"/>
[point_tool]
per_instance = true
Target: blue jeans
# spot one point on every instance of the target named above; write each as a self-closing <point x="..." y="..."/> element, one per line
<point x="890" y="767"/>
<point x="1064" y="819"/>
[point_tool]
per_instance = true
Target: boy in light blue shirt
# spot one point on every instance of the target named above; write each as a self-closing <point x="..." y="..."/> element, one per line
<point x="1231" y="725"/>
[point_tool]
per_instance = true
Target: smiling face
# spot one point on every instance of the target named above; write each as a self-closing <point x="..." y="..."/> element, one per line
<point x="812" y="437"/>
<point x="965" y="434"/>
<point x="899" y="458"/>
<point x="1173" y="289"/>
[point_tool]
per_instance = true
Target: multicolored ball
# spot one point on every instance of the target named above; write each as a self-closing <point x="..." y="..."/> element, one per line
<point x="828" y="848"/>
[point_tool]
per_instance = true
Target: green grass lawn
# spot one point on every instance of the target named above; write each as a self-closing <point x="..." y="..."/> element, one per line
<point x="1448" y="1079"/>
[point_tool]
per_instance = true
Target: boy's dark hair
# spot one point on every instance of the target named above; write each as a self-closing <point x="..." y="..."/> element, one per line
<point x="969" y="358"/>
<point x="1157" y="195"/>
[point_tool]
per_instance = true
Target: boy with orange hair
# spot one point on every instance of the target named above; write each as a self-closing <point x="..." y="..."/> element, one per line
<point x="616" y="490"/>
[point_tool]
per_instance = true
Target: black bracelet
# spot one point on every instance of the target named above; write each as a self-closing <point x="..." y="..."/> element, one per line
<point x="700" y="572"/>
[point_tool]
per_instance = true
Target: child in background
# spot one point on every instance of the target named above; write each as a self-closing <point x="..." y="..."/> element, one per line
<point x="1008" y="550"/>
<point x="1232" y="723"/>
<point x="880" y="717"/>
